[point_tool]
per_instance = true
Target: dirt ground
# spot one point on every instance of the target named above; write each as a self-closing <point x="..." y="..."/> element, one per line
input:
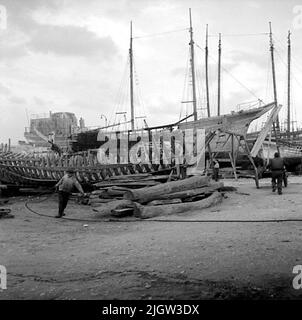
<point x="50" y="258"/>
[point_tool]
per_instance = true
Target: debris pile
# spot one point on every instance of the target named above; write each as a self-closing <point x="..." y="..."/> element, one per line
<point x="146" y="196"/>
<point x="5" y="213"/>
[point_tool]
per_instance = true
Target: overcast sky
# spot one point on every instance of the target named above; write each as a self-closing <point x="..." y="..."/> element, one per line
<point x="64" y="55"/>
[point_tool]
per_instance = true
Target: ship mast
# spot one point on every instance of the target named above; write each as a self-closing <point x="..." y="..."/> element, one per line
<point x="288" y="82"/>
<point x="131" y="78"/>
<point x="193" y="68"/>
<point x="207" y="72"/>
<point x="277" y="126"/>
<point x="219" y="75"/>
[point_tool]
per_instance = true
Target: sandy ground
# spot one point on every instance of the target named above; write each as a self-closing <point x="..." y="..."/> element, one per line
<point x="49" y="258"/>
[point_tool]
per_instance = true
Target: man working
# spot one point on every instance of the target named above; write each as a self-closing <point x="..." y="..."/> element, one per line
<point x="65" y="186"/>
<point x="277" y="167"/>
<point x="216" y="170"/>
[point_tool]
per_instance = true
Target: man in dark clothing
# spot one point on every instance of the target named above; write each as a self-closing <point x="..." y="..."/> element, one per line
<point x="277" y="168"/>
<point x="65" y="186"/>
<point x="216" y="169"/>
<point x="285" y="175"/>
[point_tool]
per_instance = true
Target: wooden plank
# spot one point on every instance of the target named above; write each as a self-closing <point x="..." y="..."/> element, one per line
<point x="105" y="209"/>
<point x="146" y="212"/>
<point x="152" y="193"/>
<point x="163" y="202"/>
<point x="192" y="192"/>
<point x="126" y="184"/>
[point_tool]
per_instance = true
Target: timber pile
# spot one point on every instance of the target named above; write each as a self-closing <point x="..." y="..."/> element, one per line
<point x="3" y="202"/>
<point x="5" y="213"/>
<point x="162" y="198"/>
<point x="145" y="212"/>
<point x="115" y="187"/>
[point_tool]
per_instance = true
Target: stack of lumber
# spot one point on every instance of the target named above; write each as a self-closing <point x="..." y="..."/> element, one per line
<point x="5" y="213"/>
<point x="134" y="180"/>
<point x="114" y="188"/>
<point x="3" y="202"/>
<point x="164" y="198"/>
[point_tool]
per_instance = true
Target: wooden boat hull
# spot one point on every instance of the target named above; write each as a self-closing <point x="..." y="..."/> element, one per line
<point x="22" y="171"/>
<point x="17" y="169"/>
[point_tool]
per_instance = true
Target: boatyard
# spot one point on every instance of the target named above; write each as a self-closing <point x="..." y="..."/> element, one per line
<point x="194" y="195"/>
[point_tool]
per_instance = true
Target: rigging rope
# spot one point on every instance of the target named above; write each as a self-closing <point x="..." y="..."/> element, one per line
<point x="239" y="34"/>
<point x="285" y="84"/>
<point x="268" y="82"/>
<point x="139" y="96"/>
<point x="120" y="97"/>
<point x="184" y="96"/>
<point x="160" y="33"/>
<point x="224" y="69"/>
<point x="293" y="58"/>
<point x="292" y="76"/>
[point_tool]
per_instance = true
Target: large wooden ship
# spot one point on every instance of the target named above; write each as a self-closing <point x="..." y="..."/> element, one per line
<point x="31" y="170"/>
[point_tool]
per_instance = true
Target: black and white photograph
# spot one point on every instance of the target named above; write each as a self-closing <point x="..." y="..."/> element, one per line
<point x="150" y="150"/>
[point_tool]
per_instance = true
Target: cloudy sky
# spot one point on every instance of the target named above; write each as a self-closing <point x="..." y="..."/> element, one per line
<point x="72" y="55"/>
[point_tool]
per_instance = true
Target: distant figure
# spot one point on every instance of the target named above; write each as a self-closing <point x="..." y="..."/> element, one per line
<point x="285" y="175"/>
<point x="260" y="165"/>
<point x="216" y="170"/>
<point x="65" y="186"/>
<point x="277" y="168"/>
<point x="55" y="148"/>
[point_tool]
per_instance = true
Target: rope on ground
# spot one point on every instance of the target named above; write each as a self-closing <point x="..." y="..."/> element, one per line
<point x="159" y="220"/>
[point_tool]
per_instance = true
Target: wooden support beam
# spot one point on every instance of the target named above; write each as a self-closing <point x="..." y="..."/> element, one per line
<point x="252" y="162"/>
<point x="233" y="165"/>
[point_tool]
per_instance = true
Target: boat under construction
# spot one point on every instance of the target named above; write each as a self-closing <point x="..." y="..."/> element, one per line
<point x="225" y="137"/>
